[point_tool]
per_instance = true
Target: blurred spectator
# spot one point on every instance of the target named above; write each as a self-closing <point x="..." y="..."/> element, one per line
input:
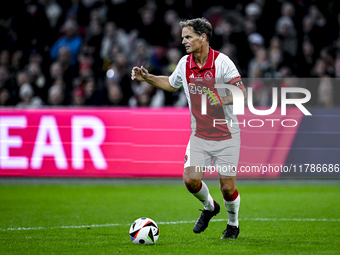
<point x="37" y="80"/>
<point x="275" y="63"/>
<point x="337" y="61"/>
<point x="101" y="7"/>
<point x="318" y="73"/>
<point x="7" y="88"/>
<point x="5" y="58"/>
<point x="116" y="76"/>
<point x="70" y="39"/>
<point x="4" y="76"/>
<point x="256" y="41"/>
<point x="77" y="12"/>
<point x="56" y="75"/>
<point x="275" y="43"/>
<point x="94" y="35"/>
<point x="328" y="54"/>
<point x="54" y="13"/>
<point x="325" y="92"/>
<point x="89" y="3"/>
<point x="4" y="97"/>
<point x="94" y="93"/>
<point x="286" y="72"/>
<point x="306" y="59"/>
<point x="249" y="27"/>
<point x="56" y="71"/>
<point x="253" y="11"/>
<point x="113" y="36"/>
<point x="319" y="69"/>
<point x="144" y="93"/>
<point x="85" y="72"/>
<point x="16" y="61"/>
<point x="121" y="66"/>
<point x="35" y="57"/>
<point x="287" y="10"/>
<point x="312" y="32"/>
<point x="69" y="72"/>
<point x="115" y="95"/>
<point x="55" y="96"/>
<point x="78" y="97"/>
<point x="144" y="100"/>
<point x="28" y="99"/>
<point x="258" y="63"/>
<point x="286" y="30"/>
<point x="176" y="98"/>
<point x="317" y="16"/>
<point x="20" y="79"/>
<point x="260" y="90"/>
<point x="175" y="40"/>
<point x="142" y="54"/>
<point x="173" y="56"/>
<point x="170" y="18"/>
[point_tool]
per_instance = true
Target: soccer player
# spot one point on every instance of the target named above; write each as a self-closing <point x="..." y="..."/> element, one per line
<point x="209" y="144"/>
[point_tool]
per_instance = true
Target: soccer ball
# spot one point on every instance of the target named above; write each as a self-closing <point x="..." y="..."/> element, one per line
<point x="144" y="231"/>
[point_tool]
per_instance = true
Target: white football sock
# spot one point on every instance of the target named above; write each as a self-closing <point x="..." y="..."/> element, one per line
<point x="232" y="208"/>
<point x="204" y="196"/>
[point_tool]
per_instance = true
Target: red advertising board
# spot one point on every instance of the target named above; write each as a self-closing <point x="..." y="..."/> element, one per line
<point x="125" y="142"/>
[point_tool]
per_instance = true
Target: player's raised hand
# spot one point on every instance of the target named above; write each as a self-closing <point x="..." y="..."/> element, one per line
<point x="139" y="73"/>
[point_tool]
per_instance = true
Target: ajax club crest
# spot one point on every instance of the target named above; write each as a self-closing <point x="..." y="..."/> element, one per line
<point x="208" y="76"/>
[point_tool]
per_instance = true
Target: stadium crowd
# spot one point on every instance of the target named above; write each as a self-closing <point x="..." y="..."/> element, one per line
<point x="80" y="52"/>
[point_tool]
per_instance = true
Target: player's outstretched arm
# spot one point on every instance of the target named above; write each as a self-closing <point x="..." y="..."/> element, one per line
<point x="161" y="82"/>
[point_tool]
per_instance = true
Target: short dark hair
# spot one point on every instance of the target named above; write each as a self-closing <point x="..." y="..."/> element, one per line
<point x="200" y="26"/>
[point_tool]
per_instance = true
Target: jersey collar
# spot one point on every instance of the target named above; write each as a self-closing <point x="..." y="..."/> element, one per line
<point x="208" y="65"/>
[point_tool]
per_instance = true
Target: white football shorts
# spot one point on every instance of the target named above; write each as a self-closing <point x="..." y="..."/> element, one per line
<point x="218" y="156"/>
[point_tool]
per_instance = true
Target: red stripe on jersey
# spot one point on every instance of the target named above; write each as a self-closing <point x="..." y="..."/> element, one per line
<point x="198" y="78"/>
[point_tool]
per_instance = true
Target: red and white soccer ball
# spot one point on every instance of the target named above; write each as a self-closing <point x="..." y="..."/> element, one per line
<point x="144" y="231"/>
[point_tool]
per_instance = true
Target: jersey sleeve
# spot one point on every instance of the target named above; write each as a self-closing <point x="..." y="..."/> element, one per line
<point x="230" y="70"/>
<point x="176" y="78"/>
<point x="231" y="74"/>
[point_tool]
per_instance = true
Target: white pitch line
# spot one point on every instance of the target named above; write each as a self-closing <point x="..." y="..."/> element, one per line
<point x="167" y="223"/>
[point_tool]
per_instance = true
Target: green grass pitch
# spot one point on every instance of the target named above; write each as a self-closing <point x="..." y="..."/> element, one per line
<point x="75" y="218"/>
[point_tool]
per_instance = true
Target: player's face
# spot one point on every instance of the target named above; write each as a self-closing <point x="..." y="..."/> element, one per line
<point x="191" y="41"/>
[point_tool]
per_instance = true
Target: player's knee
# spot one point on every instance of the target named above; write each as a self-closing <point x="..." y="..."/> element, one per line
<point x="191" y="184"/>
<point x="227" y="189"/>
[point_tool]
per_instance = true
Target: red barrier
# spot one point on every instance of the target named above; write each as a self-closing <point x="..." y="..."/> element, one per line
<point x="123" y="142"/>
